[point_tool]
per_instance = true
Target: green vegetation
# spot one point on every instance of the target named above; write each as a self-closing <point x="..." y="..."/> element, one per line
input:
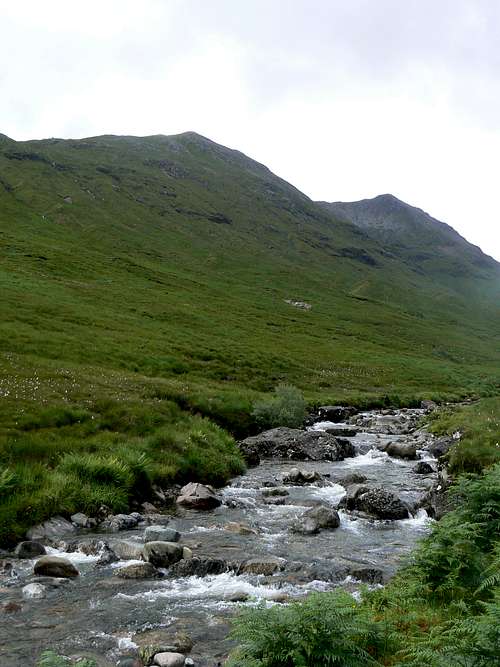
<point x="51" y="659"/>
<point x="287" y="407"/>
<point x="441" y="610"/>
<point x="145" y="293"/>
<point x="478" y="425"/>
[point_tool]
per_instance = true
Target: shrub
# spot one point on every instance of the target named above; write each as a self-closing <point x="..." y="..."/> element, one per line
<point x="286" y="408"/>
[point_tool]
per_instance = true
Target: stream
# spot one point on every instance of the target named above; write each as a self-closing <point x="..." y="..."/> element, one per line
<point x="101" y="616"/>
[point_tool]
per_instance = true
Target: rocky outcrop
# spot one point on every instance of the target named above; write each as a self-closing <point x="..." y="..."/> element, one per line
<point x="250" y="453"/>
<point x="126" y="550"/>
<point x="162" y="554"/>
<point x="54" y="566"/>
<point x="349" y="501"/>
<point x="298" y="445"/>
<point x="198" y="497"/>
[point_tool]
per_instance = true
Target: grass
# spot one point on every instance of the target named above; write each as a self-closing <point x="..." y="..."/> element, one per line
<point x="144" y="288"/>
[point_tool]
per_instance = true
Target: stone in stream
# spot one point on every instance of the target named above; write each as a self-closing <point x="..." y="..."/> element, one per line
<point x="353" y="478"/>
<point x="275" y="491"/>
<point x="169" y="660"/>
<point x="428" y="405"/>
<point x="126" y="550"/>
<point x="343" y="431"/>
<point x="54" y="528"/>
<point x="81" y="520"/>
<point x="295" y="444"/>
<point x="370" y="575"/>
<point x="199" y="567"/>
<point x="276" y="500"/>
<point x="117" y="522"/>
<point x="335" y="413"/>
<point x="239" y="528"/>
<point x="161" y="534"/>
<point x="34" y="591"/>
<point x="305" y="526"/>
<point x="152" y="642"/>
<point x="198" y="496"/>
<point x="423" y="468"/>
<point x="325" y="517"/>
<point x="439" y="446"/>
<point x="352" y="493"/>
<point x="265" y="566"/>
<point x="298" y="477"/>
<point x="129" y="662"/>
<point x="382" y="504"/>
<point x="162" y="554"/>
<point x="402" y="450"/>
<point x="250" y="453"/>
<point x="137" y="571"/>
<point x="54" y="566"/>
<point x="29" y="549"/>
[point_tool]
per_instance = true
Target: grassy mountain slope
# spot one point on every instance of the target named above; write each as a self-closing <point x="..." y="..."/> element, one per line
<point x="173" y="257"/>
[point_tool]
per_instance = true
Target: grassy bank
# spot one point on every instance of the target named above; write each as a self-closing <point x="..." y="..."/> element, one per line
<point x="441" y="610"/>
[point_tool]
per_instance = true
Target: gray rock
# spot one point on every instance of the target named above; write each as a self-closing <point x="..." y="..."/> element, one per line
<point x="137" y="571"/>
<point x="335" y="413"/>
<point x="117" y="522"/>
<point x="54" y="566"/>
<point x="81" y="520"/>
<point x="276" y="500"/>
<point x="54" y="528"/>
<point x="198" y="496"/>
<point x="305" y="526"/>
<point x="265" y="566"/>
<point x="326" y="517"/>
<point x="352" y="493"/>
<point x="382" y="504"/>
<point x="275" y="491"/>
<point x="30" y="549"/>
<point x="126" y="550"/>
<point x="428" y="405"/>
<point x="299" y="477"/>
<point x="250" y="453"/>
<point x="152" y="642"/>
<point x="34" y="591"/>
<point x="353" y="478"/>
<point x="129" y="662"/>
<point x="423" y="468"/>
<point x="169" y="660"/>
<point x="439" y="446"/>
<point x="162" y="554"/>
<point x="161" y="534"/>
<point x="240" y="528"/>
<point x="402" y="450"/>
<point x="298" y="445"/>
<point x="342" y="431"/>
<point x="370" y="575"/>
<point x="199" y="567"/>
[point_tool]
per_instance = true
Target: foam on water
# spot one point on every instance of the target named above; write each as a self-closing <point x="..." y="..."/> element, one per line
<point x="331" y="495"/>
<point x="76" y="557"/>
<point x="420" y="521"/>
<point x="372" y="457"/>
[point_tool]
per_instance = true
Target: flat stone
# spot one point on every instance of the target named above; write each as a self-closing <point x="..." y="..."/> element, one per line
<point x="198" y="496"/>
<point x="161" y="534"/>
<point x="265" y="566"/>
<point x="137" y="571"/>
<point x="169" y="660"/>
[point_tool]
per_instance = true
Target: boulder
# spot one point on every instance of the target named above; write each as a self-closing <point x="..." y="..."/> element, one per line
<point x="381" y="504"/>
<point x="325" y="516"/>
<point x="52" y="529"/>
<point x="239" y="528"/>
<point x="198" y="496"/>
<point x="81" y="520"/>
<point x="34" y="591"/>
<point x="162" y="554"/>
<point x="342" y="431"/>
<point x="299" y="477"/>
<point x="351" y="496"/>
<point x="54" y="566"/>
<point x="276" y="500"/>
<point x="265" y="566"/>
<point x="438" y="447"/>
<point x="295" y="444"/>
<point x="352" y="478"/>
<point x="423" y="468"/>
<point x="428" y="405"/>
<point x="169" y="660"/>
<point x="305" y="526"/>
<point x="125" y="550"/>
<point x="30" y="549"/>
<point x="402" y="450"/>
<point x="199" y="567"/>
<point x="187" y="553"/>
<point x="117" y="522"/>
<point x="137" y="571"/>
<point x="335" y="413"/>
<point x="250" y="453"/>
<point x="275" y="491"/>
<point x="161" y="534"/>
<point x="129" y="661"/>
<point x="152" y="642"/>
<point x="370" y="575"/>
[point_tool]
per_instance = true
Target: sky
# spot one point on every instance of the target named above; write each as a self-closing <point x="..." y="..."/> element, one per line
<point x="345" y="99"/>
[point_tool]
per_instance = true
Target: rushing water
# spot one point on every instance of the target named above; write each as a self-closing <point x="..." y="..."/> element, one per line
<point x="99" y="615"/>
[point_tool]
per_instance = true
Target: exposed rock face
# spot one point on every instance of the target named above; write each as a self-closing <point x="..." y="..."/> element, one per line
<point x="382" y="504"/>
<point x="54" y="566"/>
<point x="428" y="406"/>
<point x="402" y="450"/>
<point x="137" y="571"/>
<point x="297" y="445"/>
<point x="81" y="520"/>
<point x="198" y="496"/>
<point x="161" y="534"/>
<point x="52" y="529"/>
<point x="29" y="549"/>
<point x="162" y="554"/>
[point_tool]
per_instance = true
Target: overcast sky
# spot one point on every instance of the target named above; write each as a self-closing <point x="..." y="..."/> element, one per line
<point x="346" y="99"/>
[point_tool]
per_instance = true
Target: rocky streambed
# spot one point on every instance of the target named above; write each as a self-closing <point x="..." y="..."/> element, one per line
<point x="343" y="504"/>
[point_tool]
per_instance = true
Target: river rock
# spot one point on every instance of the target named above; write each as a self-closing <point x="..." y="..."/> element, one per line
<point x="342" y="431"/>
<point x="265" y="566"/>
<point x="298" y="477"/>
<point x="55" y="566"/>
<point x="152" y="642"/>
<point x="199" y="567"/>
<point x="295" y="444"/>
<point x="117" y="522"/>
<point x="305" y="526"/>
<point x="239" y="528"/>
<point x="198" y="496"/>
<point x="438" y="447"/>
<point x="162" y="554"/>
<point x="353" y="478"/>
<point x="129" y="662"/>
<point x="275" y="491"/>
<point x="382" y="504"/>
<point x="325" y="517"/>
<point x="137" y="571"/>
<point x="161" y="534"/>
<point x="250" y="453"/>
<point x="187" y="553"/>
<point x="169" y="660"/>
<point x="29" y="549"/>
<point x="276" y="500"/>
<point x="81" y="520"/>
<point x="351" y="496"/>
<point x="34" y="591"/>
<point x="428" y="405"/>
<point x="402" y="450"/>
<point x="52" y="529"/>
<point x="335" y="413"/>
<point x="126" y="550"/>
<point x="370" y="575"/>
<point x="423" y="468"/>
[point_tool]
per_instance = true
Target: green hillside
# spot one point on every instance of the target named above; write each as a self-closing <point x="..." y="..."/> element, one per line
<point x="145" y="289"/>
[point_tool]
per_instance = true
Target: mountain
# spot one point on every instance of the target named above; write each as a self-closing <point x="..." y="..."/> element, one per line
<point x="423" y="242"/>
<point x="176" y="262"/>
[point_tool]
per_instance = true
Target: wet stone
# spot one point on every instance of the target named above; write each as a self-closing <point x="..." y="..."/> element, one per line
<point x="30" y="549"/>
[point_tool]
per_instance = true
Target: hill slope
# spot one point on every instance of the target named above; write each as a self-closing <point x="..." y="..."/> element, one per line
<point x="174" y="258"/>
